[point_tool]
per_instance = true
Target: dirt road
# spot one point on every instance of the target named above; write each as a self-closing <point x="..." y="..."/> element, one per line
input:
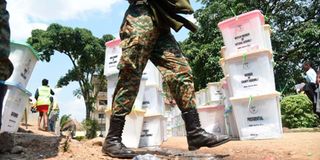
<point x="292" y="146"/>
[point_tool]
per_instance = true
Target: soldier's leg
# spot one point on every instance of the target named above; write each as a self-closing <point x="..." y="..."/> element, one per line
<point x="138" y="35"/>
<point x="4" y="30"/>
<point x="6" y="66"/>
<point x="168" y="58"/>
<point x="175" y="71"/>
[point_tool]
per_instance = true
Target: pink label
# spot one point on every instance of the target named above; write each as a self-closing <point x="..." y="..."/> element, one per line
<point x="113" y="43"/>
<point x="241" y="19"/>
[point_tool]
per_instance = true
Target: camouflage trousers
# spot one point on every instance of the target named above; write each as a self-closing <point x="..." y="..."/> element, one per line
<point x="4" y="30"/>
<point x="5" y="65"/>
<point x="143" y="40"/>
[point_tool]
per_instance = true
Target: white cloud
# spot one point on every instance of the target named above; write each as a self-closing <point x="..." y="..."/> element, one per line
<point x="26" y="15"/>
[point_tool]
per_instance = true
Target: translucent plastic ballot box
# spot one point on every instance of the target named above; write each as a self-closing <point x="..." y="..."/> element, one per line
<point x="23" y="58"/>
<point x="111" y="86"/>
<point x="152" y="74"/>
<point x="153" y="101"/>
<point x="153" y="131"/>
<point x="15" y="101"/>
<point x="214" y="92"/>
<point x="243" y="33"/>
<point x="251" y="73"/>
<point x="132" y="128"/>
<point x="265" y="45"/>
<point x="212" y="119"/>
<point x="231" y="125"/>
<point x="112" y="57"/>
<point x="258" y="117"/>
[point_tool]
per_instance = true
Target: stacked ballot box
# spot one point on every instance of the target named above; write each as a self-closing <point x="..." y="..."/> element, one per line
<point x="258" y="117"/>
<point x="132" y="128"/>
<point x="176" y="125"/>
<point x="231" y="125"/>
<point x="212" y="119"/>
<point x="153" y="131"/>
<point x="247" y="62"/>
<point x="149" y="100"/>
<point x="151" y="75"/>
<point x="153" y="101"/>
<point x="24" y="58"/>
<point x="111" y="86"/>
<point x="15" y="102"/>
<point x="210" y="107"/>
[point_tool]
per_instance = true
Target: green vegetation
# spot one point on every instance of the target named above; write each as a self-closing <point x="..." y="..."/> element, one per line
<point x="85" y="52"/>
<point x="297" y="112"/>
<point x="295" y="38"/>
<point x="91" y="126"/>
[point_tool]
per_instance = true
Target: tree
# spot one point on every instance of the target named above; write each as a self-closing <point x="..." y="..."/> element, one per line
<point x="85" y="51"/>
<point x="295" y="37"/>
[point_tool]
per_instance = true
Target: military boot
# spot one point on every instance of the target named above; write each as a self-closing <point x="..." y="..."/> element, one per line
<point x="198" y="137"/>
<point x="112" y="145"/>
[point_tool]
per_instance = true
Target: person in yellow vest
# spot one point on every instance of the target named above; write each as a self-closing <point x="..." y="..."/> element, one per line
<point x="42" y="97"/>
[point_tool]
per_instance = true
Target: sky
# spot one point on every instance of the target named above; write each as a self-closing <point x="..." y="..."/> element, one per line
<point x="99" y="16"/>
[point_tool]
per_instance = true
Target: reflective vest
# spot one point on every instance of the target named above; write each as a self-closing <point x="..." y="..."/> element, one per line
<point x="44" y="96"/>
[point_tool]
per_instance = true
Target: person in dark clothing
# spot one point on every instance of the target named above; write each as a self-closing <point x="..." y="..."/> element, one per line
<point x="6" y="67"/>
<point x="317" y="100"/>
<point x="145" y="35"/>
<point x="310" y="87"/>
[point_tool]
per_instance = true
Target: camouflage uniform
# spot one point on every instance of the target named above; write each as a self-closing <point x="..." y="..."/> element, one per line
<point x="4" y="30"/>
<point x="146" y="36"/>
<point x="6" y="66"/>
<point x="143" y="39"/>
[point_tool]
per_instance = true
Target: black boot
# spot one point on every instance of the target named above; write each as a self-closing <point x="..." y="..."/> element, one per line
<point x="198" y="137"/>
<point x="112" y="145"/>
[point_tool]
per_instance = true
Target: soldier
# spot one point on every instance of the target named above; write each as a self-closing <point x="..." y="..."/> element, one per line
<point x="6" y="67"/>
<point x="145" y="34"/>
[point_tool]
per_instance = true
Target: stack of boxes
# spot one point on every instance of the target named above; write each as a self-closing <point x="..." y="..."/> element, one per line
<point x="145" y="125"/>
<point x="176" y="126"/>
<point x="154" y="123"/>
<point x="134" y="121"/>
<point x="248" y="66"/>
<point x="231" y="126"/>
<point x="23" y="58"/>
<point x="211" y="109"/>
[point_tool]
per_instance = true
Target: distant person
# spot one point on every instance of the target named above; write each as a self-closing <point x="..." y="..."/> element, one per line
<point x="310" y="85"/>
<point x="42" y="97"/>
<point x="317" y="101"/>
<point x="53" y="115"/>
<point x="6" y="67"/>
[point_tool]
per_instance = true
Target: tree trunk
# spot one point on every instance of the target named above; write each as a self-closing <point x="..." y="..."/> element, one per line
<point x="88" y="110"/>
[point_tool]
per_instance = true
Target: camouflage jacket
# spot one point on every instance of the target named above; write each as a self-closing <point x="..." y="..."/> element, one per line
<point x="167" y="11"/>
